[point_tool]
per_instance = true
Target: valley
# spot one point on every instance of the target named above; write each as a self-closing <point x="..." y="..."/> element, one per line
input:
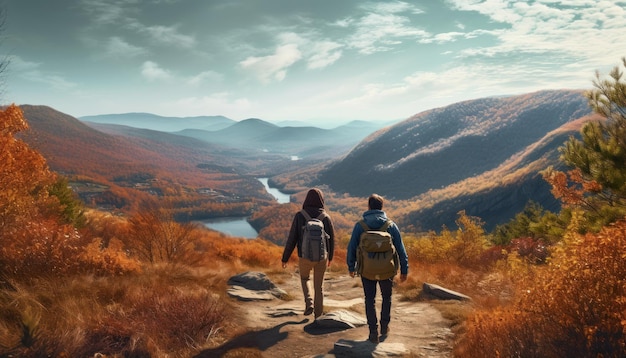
<point x="483" y="156"/>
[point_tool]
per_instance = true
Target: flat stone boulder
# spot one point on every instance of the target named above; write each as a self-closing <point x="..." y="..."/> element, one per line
<point x="343" y="303"/>
<point x="443" y="293"/>
<point x="252" y="286"/>
<point x="283" y="312"/>
<point x="341" y="319"/>
<point x="349" y="348"/>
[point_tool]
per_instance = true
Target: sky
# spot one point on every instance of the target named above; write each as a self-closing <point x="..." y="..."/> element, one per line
<point x="329" y="61"/>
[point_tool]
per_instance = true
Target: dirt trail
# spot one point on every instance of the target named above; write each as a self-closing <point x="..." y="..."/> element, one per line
<point x="278" y="329"/>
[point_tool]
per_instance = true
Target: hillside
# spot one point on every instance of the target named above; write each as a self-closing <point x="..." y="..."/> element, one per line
<point x="498" y="195"/>
<point x="425" y="157"/>
<point x="151" y="161"/>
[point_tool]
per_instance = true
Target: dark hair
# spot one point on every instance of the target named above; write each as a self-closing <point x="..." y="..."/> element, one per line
<point x="375" y="202"/>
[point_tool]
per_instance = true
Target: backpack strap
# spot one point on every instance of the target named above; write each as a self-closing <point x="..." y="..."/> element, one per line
<point x="306" y="215"/>
<point x="321" y="216"/>
<point x="382" y="228"/>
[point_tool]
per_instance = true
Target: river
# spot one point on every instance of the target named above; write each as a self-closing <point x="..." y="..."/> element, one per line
<point x="239" y="226"/>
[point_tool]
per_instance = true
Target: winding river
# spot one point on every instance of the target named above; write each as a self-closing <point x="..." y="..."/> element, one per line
<point x="238" y="226"/>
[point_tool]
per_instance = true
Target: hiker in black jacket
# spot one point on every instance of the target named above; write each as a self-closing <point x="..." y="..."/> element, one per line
<point x="313" y="206"/>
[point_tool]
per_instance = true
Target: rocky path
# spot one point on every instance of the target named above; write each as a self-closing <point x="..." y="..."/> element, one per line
<point x="277" y="327"/>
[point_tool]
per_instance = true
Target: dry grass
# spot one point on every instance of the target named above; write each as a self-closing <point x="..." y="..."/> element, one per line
<point x="165" y="309"/>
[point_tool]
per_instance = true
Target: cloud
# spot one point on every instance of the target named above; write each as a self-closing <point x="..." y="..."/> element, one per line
<point x="203" y="77"/>
<point x="118" y="47"/>
<point x="169" y="35"/>
<point x="383" y="27"/>
<point x="318" y="53"/>
<point x="31" y="71"/>
<point x="561" y="30"/>
<point x="153" y="72"/>
<point x="273" y="67"/>
<point x="120" y="12"/>
<point x="323" y="54"/>
<point x="104" y="13"/>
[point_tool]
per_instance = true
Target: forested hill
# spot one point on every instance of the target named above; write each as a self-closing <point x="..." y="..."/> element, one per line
<point x="482" y="156"/>
<point x="442" y="146"/>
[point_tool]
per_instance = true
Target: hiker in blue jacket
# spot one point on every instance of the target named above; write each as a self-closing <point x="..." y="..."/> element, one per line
<point x="375" y="218"/>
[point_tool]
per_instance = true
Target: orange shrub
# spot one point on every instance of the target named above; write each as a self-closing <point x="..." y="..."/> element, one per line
<point x="573" y="307"/>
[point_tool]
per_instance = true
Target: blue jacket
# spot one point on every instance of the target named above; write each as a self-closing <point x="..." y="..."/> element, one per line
<point x="374" y="220"/>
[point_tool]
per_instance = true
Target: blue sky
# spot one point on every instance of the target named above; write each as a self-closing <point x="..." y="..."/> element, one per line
<point x="324" y="60"/>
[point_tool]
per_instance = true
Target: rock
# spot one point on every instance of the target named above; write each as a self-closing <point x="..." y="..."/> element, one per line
<point x="282" y="312"/>
<point x="244" y="294"/>
<point x="350" y="348"/>
<point x="340" y="319"/>
<point x="249" y="286"/>
<point x="443" y="293"/>
<point x="343" y="303"/>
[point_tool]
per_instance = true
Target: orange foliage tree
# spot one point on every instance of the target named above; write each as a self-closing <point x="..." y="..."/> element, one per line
<point x="35" y="237"/>
<point x="155" y="237"/>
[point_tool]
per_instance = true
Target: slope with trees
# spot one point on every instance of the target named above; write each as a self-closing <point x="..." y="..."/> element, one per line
<point x="576" y="304"/>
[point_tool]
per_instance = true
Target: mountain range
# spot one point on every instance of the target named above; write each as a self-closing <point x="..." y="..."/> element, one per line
<point x="161" y="123"/>
<point x="483" y="156"/>
<point x="252" y="134"/>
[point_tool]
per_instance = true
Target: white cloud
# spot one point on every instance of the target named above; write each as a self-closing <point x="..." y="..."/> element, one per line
<point x="104" y="13"/>
<point x="169" y="35"/>
<point x="384" y="27"/>
<point x="204" y="77"/>
<point x="273" y="67"/>
<point x="392" y="7"/>
<point x="153" y="72"/>
<point x="118" y="47"/>
<point x="323" y="54"/>
<point x="31" y="71"/>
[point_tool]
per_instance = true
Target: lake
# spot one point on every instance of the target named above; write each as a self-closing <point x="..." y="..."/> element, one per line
<point x="239" y="226"/>
<point x="233" y="226"/>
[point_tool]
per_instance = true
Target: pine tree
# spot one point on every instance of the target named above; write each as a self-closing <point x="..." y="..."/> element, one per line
<point x="597" y="182"/>
<point x="600" y="155"/>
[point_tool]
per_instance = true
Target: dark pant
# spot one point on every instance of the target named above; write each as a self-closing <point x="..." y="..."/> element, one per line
<point x="369" y="288"/>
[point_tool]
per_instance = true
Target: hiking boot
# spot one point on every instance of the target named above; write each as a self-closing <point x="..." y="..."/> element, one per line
<point x="308" y="311"/>
<point x="384" y="330"/>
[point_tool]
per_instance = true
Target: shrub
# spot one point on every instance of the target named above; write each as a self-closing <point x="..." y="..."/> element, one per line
<point x="574" y="306"/>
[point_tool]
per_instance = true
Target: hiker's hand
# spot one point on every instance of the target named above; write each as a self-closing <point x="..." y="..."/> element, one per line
<point x="403" y="277"/>
<point x="284" y="265"/>
<point x="352" y="274"/>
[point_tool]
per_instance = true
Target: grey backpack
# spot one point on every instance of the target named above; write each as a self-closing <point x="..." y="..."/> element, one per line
<point x="314" y="238"/>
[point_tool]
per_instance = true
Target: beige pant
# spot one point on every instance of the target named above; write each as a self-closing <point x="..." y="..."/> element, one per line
<point x="319" y="268"/>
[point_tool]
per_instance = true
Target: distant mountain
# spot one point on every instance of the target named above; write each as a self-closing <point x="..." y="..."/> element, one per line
<point x="329" y="124"/>
<point x="159" y="123"/>
<point x="253" y="134"/>
<point x="442" y="158"/>
<point x="309" y="142"/>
